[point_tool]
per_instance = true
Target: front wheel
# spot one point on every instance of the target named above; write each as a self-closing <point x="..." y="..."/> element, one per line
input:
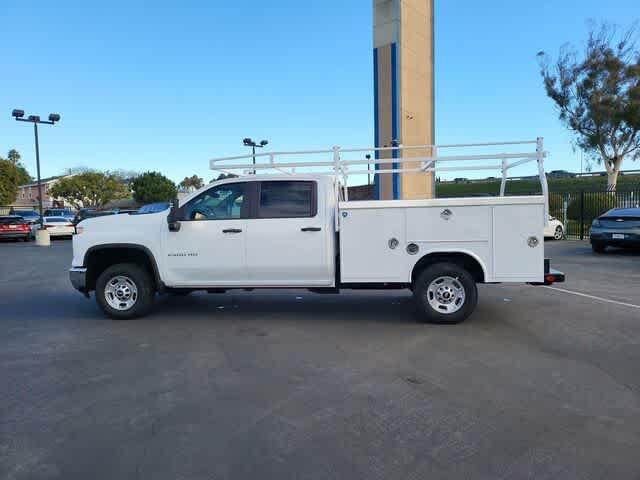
<point x="125" y="291"/>
<point x="445" y="293"/>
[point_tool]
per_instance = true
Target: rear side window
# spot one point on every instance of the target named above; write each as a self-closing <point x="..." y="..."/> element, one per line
<point x="287" y="199"/>
<point x="11" y="220"/>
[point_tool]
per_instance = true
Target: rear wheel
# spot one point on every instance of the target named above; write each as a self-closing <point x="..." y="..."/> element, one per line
<point x="125" y="291"/>
<point x="598" y="247"/>
<point x="445" y="293"/>
<point x="558" y="233"/>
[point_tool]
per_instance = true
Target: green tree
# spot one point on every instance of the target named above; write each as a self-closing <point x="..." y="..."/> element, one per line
<point x="192" y="181"/>
<point x="222" y="176"/>
<point x="23" y="175"/>
<point x="89" y="189"/>
<point x="598" y="96"/>
<point x="152" y="187"/>
<point x="8" y="182"/>
<point x="14" y="156"/>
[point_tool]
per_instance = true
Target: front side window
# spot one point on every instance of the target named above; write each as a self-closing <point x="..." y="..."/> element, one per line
<point x="223" y="202"/>
<point x="287" y="199"/>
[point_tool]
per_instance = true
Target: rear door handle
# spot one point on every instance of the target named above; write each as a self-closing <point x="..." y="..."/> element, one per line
<point x="232" y="230"/>
<point x="310" y="229"/>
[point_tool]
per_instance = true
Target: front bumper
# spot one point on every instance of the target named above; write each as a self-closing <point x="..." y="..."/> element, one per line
<point x="78" y="278"/>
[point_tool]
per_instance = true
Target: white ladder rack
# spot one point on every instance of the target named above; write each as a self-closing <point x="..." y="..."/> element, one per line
<point x="342" y="168"/>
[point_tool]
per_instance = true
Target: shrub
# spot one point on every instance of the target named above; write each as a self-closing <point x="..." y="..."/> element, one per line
<point x="595" y="204"/>
<point x="555" y="204"/>
<point x="152" y="187"/>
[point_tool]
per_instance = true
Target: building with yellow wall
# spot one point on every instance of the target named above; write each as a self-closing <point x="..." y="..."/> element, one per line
<point x="403" y="91"/>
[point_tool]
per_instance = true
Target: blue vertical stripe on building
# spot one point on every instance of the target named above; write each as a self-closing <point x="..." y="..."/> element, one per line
<point x="394" y="115"/>
<point x="376" y="127"/>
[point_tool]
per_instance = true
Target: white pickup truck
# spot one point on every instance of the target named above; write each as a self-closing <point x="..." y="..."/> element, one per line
<point x="296" y="230"/>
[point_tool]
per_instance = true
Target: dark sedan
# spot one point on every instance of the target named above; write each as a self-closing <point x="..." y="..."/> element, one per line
<point x="619" y="227"/>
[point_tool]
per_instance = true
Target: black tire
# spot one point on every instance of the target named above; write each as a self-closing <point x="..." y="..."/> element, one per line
<point x="558" y="233"/>
<point x="141" y="280"/>
<point x="598" y="247"/>
<point x="458" y="276"/>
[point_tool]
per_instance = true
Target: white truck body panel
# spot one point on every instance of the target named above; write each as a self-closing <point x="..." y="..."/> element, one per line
<point x="494" y="231"/>
<point x="277" y="253"/>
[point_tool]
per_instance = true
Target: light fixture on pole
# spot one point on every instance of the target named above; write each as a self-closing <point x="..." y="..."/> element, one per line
<point x="247" y="142"/>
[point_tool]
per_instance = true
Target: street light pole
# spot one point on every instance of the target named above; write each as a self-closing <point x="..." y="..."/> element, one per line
<point x="247" y="142"/>
<point x="253" y="154"/>
<point x="35" y="119"/>
<point x="35" y="132"/>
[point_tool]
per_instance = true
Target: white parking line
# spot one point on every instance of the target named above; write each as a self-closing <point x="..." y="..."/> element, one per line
<point x="593" y="297"/>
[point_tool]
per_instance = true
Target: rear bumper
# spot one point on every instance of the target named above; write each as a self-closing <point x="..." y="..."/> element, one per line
<point x="551" y="275"/>
<point x="606" y="238"/>
<point x="15" y="235"/>
<point x="78" y="278"/>
<point x="61" y="233"/>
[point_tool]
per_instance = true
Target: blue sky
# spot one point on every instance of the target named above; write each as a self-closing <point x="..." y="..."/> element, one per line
<point x="167" y="85"/>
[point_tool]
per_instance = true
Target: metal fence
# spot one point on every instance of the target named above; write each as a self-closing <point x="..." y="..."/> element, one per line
<point x="577" y="209"/>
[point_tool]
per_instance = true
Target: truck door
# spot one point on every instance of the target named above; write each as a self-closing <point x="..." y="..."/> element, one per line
<point x="289" y="239"/>
<point x="209" y="248"/>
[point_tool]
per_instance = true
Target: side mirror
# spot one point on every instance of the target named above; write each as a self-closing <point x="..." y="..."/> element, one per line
<point x="173" y="219"/>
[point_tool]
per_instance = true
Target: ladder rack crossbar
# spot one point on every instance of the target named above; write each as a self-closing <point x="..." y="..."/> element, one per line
<point x="342" y="168"/>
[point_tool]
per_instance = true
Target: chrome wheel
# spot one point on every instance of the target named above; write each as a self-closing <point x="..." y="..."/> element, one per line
<point x="446" y="295"/>
<point x="121" y="293"/>
<point x="558" y="233"/>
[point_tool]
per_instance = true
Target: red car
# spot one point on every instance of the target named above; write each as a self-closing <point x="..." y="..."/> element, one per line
<point x="14" y="227"/>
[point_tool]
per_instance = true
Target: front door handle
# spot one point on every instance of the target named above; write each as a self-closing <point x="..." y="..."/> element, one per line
<point x="310" y="229"/>
<point x="232" y="230"/>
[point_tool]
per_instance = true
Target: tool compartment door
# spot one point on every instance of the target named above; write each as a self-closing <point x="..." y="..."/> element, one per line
<point x="366" y="254"/>
<point x="518" y="243"/>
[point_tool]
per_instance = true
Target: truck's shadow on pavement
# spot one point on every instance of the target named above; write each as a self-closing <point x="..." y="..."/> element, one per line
<point x="290" y="305"/>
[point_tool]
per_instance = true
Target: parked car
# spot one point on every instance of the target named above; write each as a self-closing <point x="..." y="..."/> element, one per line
<point x="154" y="207"/>
<point x="30" y="216"/>
<point x="59" y="226"/>
<point x="14" y="227"/>
<point x="59" y="212"/>
<point x="619" y="227"/>
<point x="84" y="213"/>
<point x="554" y="229"/>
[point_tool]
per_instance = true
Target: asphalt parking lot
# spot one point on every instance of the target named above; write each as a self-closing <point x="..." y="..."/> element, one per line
<point x="540" y="383"/>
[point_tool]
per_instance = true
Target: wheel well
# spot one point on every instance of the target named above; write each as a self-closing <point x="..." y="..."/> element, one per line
<point x="98" y="260"/>
<point x="465" y="260"/>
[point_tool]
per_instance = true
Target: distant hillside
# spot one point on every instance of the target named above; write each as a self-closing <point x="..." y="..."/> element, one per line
<point x="443" y="190"/>
<point x="533" y="186"/>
